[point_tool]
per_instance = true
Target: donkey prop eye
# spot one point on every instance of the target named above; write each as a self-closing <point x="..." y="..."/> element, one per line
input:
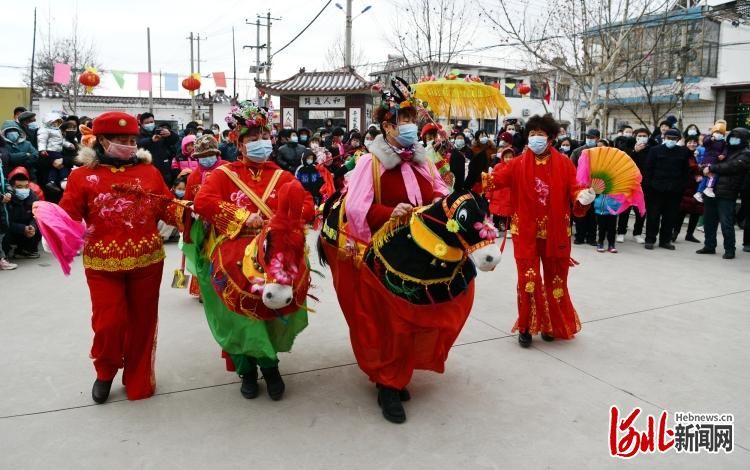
<point x="463" y="215"/>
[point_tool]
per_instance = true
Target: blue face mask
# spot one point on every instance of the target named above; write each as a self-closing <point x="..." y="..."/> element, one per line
<point x="564" y="148"/>
<point x="180" y="193"/>
<point x="207" y="162"/>
<point x="259" y="150"/>
<point x="407" y="134"/>
<point x="12" y="136"/>
<point x="22" y="193"/>
<point x="294" y="139"/>
<point x="734" y="141"/>
<point x="483" y="140"/>
<point x="459" y="143"/>
<point x="150" y="126"/>
<point x="33" y="126"/>
<point x="590" y="142"/>
<point x="670" y="143"/>
<point x="303" y="138"/>
<point x="537" y="144"/>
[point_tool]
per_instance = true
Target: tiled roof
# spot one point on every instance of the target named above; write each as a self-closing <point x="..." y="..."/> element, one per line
<point x="339" y="81"/>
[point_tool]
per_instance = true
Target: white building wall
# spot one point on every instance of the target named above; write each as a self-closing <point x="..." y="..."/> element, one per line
<point x="734" y="58"/>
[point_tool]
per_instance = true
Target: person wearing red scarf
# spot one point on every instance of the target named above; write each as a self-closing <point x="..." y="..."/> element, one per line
<point x="543" y="191"/>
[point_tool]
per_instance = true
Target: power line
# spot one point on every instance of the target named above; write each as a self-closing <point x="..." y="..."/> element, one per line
<point x="304" y="29"/>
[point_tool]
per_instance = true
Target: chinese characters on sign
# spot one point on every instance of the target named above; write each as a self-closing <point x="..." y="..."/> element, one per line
<point x="368" y="114"/>
<point x="355" y="118"/>
<point x="287" y="118"/>
<point x="322" y="101"/>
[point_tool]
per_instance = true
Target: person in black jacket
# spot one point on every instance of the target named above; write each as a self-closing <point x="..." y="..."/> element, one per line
<point x="721" y="209"/>
<point x="667" y="170"/>
<point x="290" y="152"/>
<point x="460" y="154"/>
<point x="586" y="225"/>
<point x="23" y="232"/>
<point x="639" y="154"/>
<point x="160" y="142"/>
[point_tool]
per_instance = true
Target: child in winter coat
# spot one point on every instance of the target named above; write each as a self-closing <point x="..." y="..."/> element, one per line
<point x="51" y="143"/>
<point x="500" y="206"/>
<point x="185" y="163"/>
<point x="715" y="151"/>
<point x="309" y="176"/>
<point x="23" y="233"/>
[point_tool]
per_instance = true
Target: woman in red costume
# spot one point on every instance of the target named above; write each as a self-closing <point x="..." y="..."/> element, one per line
<point x="123" y="253"/>
<point x="543" y="190"/>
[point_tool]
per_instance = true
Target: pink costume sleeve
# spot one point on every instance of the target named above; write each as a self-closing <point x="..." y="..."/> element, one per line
<point x="360" y="193"/>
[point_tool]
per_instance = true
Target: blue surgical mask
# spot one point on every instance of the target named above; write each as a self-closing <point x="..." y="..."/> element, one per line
<point x="670" y="143"/>
<point x="565" y="148"/>
<point x="180" y="193"/>
<point x="22" y="193"/>
<point x="537" y="144"/>
<point x="692" y="132"/>
<point x="460" y="143"/>
<point x="207" y="162"/>
<point x="483" y="140"/>
<point x="150" y="126"/>
<point x="407" y="134"/>
<point x="590" y="142"/>
<point x="718" y="136"/>
<point x="33" y="126"/>
<point x="734" y="141"/>
<point x="303" y="138"/>
<point x="294" y="139"/>
<point x="12" y="136"/>
<point x="259" y="150"/>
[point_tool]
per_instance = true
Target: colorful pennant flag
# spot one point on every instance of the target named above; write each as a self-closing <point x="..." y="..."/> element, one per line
<point x="510" y="85"/>
<point x="219" y="79"/>
<point x="61" y="74"/>
<point x="119" y="78"/>
<point x="170" y="82"/>
<point x="144" y="81"/>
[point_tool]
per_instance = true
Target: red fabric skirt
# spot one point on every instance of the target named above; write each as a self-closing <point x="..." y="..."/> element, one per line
<point x="390" y="336"/>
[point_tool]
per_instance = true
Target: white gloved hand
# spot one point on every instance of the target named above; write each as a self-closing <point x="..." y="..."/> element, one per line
<point x="586" y="196"/>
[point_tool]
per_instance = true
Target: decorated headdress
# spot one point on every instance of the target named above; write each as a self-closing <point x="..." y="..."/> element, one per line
<point x="248" y="115"/>
<point x="399" y="97"/>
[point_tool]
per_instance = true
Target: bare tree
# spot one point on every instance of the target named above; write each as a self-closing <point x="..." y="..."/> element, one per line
<point x="586" y="41"/>
<point x="430" y="34"/>
<point x="336" y="56"/>
<point x="67" y="50"/>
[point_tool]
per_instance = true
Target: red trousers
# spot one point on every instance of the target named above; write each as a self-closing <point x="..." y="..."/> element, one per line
<point x="125" y="308"/>
<point x="545" y="306"/>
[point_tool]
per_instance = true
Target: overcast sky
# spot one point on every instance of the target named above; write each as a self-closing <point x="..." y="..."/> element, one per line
<point x="118" y="31"/>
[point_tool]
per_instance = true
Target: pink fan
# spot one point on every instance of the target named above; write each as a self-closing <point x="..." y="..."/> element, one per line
<point x="63" y="235"/>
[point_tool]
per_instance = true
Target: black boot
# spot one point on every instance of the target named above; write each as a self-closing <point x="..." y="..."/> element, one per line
<point x="728" y="255"/>
<point x="274" y="383"/>
<point x="249" y="387"/>
<point x="706" y="251"/>
<point x="403" y="394"/>
<point x="390" y="403"/>
<point x="690" y="238"/>
<point x="524" y="339"/>
<point x="548" y="337"/>
<point x="100" y="390"/>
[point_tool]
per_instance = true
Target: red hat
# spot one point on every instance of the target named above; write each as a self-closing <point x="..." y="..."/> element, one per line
<point x="115" y="123"/>
<point x="506" y="137"/>
<point x="429" y="128"/>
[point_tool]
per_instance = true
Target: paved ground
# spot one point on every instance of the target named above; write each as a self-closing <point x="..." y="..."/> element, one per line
<point x="661" y="330"/>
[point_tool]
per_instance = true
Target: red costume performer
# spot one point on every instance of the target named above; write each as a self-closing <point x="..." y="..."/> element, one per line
<point x="543" y="190"/>
<point x="123" y="253"/>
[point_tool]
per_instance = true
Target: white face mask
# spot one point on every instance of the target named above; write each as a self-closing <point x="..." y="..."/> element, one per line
<point x="641" y="140"/>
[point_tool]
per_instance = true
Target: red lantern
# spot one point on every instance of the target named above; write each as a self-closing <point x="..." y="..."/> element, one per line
<point x="745" y="98"/>
<point x="89" y="79"/>
<point x="524" y="88"/>
<point x="192" y="83"/>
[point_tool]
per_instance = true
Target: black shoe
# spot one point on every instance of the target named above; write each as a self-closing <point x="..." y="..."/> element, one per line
<point x="649" y="246"/>
<point x="674" y="237"/>
<point x="706" y="251"/>
<point x="578" y="242"/>
<point x="524" y="339"/>
<point x="100" y="390"/>
<point x="390" y="403"/>
<point x="23" y="254"/>
<point x="548" y="337"/>
<point x="690" y="238"/>
<point x="403" y="394"/>
<point x="666" y="246"/>
<point x="274" y="383"/>
<point x="746" y="249"/>
<point x="250" y="387"/>
<point x="592" y="242"/>
<point x="728" y="255"/>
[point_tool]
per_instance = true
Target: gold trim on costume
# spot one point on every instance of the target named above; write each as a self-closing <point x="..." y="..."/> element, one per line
<point x="431" y="243"/>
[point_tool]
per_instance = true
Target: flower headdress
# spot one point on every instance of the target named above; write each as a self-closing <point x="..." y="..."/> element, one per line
<point x="248" y="115"/>
<point x="401" y="97"/>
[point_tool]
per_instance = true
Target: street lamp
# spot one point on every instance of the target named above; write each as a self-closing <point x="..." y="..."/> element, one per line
<point x="349" y="20"/>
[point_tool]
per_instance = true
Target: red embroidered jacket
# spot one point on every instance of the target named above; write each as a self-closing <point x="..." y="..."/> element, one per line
<point x="122" y="232"/>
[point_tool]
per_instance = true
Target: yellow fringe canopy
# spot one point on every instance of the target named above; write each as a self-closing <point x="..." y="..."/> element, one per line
<point x="459" y="98"/>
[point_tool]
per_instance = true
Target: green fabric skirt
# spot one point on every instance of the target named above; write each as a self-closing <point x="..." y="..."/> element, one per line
<point x="237" y="334"/>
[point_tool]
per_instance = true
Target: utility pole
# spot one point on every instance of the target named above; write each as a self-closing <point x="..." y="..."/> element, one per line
<point x="348" y="45"/>
<point x="257" y="49"/>
<point x="199" y="54"/>
<point x="33" y="53"/>
<point x="268" y="46"/>
<point x="234" y="62"/>
<point x="192" y="70"/>
<point x="150" y="92"/>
